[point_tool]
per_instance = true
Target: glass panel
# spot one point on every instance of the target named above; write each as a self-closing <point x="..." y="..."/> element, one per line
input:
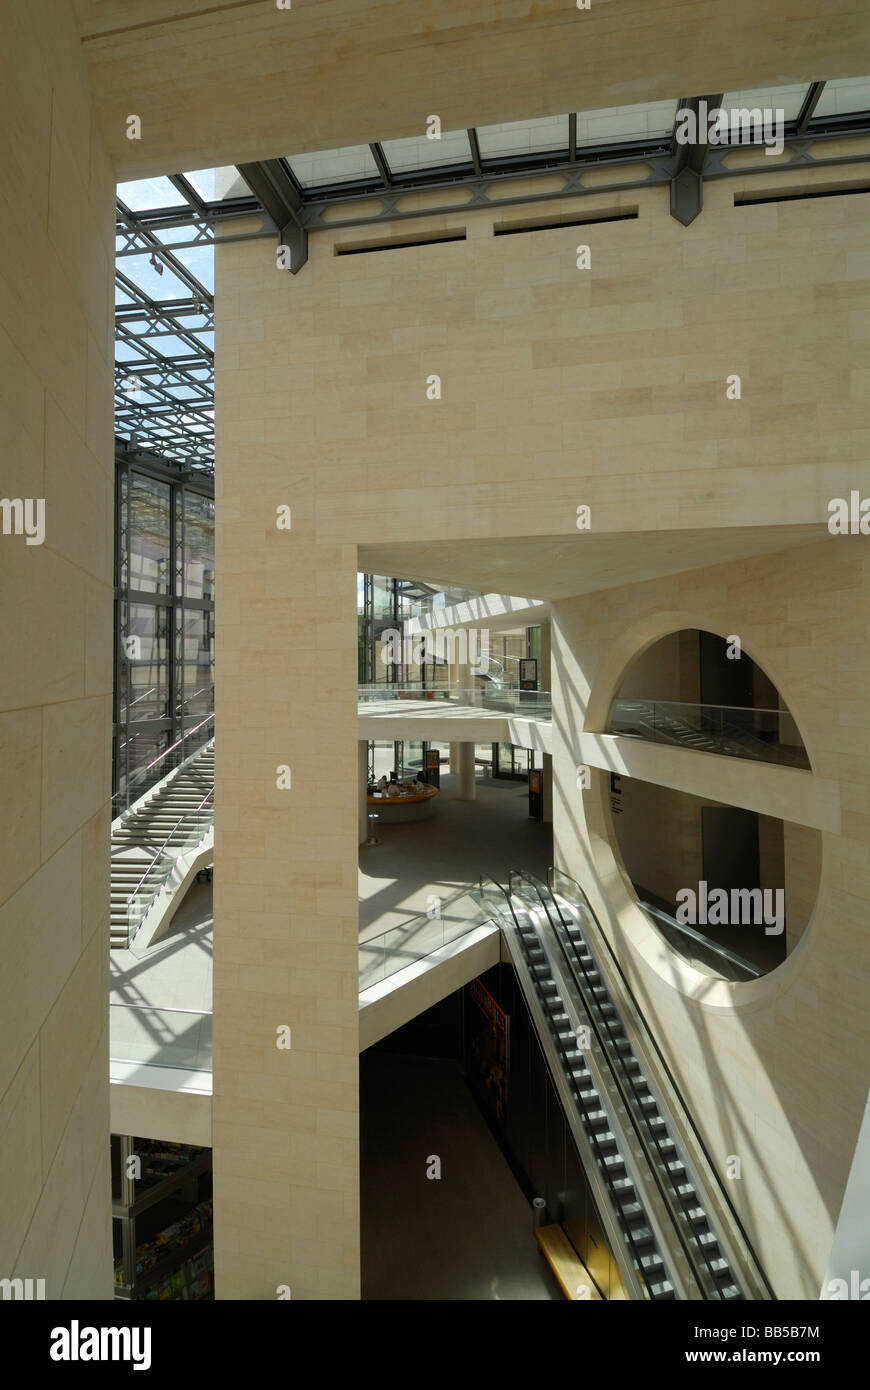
<point x="198" y="546"/>
<point x="419" y="152"/>
<point x="384" y="955"/>
<point x="412" y="759"/>
<point x="213" y="185"/>
<point x="160" y="1037"/>
<point x="523" y="137"/>
<point x="767" y="735"/>
<point x="145" y="691"/>
<point x="154" y="278"/>
<point x="788" y="99"/>
<point x="845" y="95"/>
<point x="198" y="673"/>
<point x="144" y="194"/>
<point x="149" y="534"/>
<point x="382" y="598"/>
<point x="199" y="261"/>
<point x="141" y="750"/>
<point x="613" y="124"/>
<point x="352" y="162"/>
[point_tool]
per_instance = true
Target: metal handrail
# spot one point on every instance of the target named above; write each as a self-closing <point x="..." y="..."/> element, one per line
<point x="134" y="784"/>
<point x="178" y="742"/>
<point x="699" y="704"/>
<point x="651" y="910"/>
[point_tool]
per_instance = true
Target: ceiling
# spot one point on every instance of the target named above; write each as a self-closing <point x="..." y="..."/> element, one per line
<point x="558" y="567"/>
<point x="216" y="82"/>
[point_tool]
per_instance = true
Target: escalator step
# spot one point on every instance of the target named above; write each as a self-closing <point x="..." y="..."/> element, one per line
<point x="631" y="1212"/>
<point x="623" y="1191"/>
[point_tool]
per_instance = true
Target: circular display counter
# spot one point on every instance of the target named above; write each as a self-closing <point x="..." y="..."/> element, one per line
<point x="403" y="806"/>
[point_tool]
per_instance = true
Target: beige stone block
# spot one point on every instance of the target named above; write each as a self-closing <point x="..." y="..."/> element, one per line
<point x="39" y="945"/>
<point x="20" y="758"/>
<point x="74" y="741"/>
<point x="20" y="1156"/>
<point x="51" y="1237"/>
<point x="69" y="1035"/>
<point x="89" y="1275"/>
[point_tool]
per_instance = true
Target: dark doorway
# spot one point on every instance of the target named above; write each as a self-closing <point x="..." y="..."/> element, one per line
<point x="730" y="857"/>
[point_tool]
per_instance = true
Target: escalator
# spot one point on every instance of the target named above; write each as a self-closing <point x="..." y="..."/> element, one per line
<point x="668" y="1219"/>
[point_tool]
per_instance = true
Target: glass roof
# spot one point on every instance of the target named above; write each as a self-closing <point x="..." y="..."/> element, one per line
<point x="419" y="152"/>
<point x="353" y="162"/>
<point x="789" y="99"/>
<point x="615" y="124"/>
<point x="164" y="306"/>
<point x="844" y="96"/>
<point x="523" y="137"/>
<point x="150" y="193"/>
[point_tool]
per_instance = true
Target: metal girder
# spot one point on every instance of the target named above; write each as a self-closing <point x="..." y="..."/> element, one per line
<point x="687" y="181"/>
<point x="272" y="184"/>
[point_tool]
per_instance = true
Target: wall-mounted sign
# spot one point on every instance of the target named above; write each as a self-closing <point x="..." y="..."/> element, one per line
<point x="536" y="794"/>
<point x="528" y="673"/>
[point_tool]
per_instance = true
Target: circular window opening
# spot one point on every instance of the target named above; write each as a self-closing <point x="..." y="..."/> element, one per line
<point x="699" y="690"/>
<point x="730" y="890"/>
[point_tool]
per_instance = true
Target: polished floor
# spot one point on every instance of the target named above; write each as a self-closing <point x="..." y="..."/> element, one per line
<point x="465" y="1235"/>
<point x="463" y="840"/>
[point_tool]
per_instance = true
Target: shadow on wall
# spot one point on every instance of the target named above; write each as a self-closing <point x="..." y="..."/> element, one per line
<point x="762" y="1040"/>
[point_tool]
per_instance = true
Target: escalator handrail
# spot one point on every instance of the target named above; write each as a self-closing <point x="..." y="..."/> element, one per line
<point x="755" y="972"/>
<point x="677" y="1093"/>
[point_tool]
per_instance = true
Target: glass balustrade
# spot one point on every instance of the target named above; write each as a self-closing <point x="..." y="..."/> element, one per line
<point x="411" y="941"/>
<point x="531" y="704"/>
<point x="156" y="1037"/>
<point x="767" y="735"/>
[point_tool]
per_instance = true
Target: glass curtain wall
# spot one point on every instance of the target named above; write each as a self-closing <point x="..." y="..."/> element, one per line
<point x="384" y="657"/>
<point x="164" y="625"/>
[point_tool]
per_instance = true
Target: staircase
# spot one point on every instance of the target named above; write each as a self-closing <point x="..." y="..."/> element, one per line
<point x="148" y="839"/>
<point x="649" y="720"/>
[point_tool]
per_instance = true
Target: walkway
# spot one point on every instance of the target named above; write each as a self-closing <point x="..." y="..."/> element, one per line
<point x="467" y="1235"/>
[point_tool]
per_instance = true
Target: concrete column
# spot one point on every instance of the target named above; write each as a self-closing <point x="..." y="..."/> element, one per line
<point x="286" y="969"/>
<point x="454" y="758"/>
<point x="467" y="684"/>
<point x="547" y="787"/>
<point x="467" y="785"/>
<point x="545" y="674"/>
<point x="362" y="776"/>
